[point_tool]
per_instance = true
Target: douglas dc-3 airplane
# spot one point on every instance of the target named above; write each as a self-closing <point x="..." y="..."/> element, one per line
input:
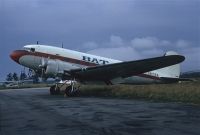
<point x="49" y="61"/>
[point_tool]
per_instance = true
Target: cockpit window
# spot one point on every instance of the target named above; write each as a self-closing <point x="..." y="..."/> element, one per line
<point x="29" y="49"/>
<point x="32" y="49"/>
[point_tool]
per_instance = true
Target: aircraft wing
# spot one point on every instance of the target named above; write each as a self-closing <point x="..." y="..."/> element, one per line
<point x="124" y="69"/>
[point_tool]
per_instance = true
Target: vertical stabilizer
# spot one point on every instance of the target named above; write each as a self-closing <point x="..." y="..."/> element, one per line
<point x="171" y="71"/>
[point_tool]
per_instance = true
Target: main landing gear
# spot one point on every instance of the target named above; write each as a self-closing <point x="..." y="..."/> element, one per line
<point x="54" y="90"/>
<point x="69" y="88"/>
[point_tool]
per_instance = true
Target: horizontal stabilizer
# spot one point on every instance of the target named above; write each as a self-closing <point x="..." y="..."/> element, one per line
<point x="173" y="80"/>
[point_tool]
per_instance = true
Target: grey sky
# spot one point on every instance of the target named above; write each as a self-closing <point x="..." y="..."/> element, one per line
<point x="121" y="29"/>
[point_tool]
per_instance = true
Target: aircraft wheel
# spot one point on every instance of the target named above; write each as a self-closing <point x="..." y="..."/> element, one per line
<point x="57" y="90"/>
<point x="76" y="92"/>
<point x="52" y="90"/>
<point x="69" y="92"/>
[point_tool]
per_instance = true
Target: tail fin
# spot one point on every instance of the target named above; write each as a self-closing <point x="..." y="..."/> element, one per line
<point x="171" y="71"/>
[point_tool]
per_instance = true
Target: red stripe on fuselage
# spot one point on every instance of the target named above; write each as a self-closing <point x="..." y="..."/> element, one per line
<point x="20" y="53"/>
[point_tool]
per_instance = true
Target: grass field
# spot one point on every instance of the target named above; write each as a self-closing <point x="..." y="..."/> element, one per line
<point x="181" y="92"/>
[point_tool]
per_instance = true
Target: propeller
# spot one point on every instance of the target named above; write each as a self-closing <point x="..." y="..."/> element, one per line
<point x="43" y="63"/>
<point x="43" y="66"/>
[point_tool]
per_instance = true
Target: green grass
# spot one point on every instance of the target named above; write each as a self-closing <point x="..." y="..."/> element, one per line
<point x="184" y="92"/>
<point x="26" y="86"/>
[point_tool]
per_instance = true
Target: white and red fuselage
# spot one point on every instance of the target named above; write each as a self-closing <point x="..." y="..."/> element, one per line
<point x="57" y="60"/>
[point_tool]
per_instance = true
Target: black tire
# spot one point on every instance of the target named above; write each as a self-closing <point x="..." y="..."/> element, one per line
<point x="52" y="90"/>
<point x="76" y="92"/>
<point x="68" y="92"/>
<point x="57" y="91"/>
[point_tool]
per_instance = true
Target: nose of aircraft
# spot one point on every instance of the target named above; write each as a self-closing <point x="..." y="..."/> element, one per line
<point x="15" y="55"/>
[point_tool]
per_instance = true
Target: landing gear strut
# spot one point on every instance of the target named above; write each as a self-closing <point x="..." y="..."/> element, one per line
<point x="72" y="90"/>
<point x="54" y="90"/>
<point x="69" y="88"/>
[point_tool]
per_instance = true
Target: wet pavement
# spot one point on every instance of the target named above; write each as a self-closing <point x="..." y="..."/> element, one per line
<point x="34" y="111"/>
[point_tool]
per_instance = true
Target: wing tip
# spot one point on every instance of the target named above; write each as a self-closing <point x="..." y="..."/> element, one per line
<point x="181" y="58"/>
<point x="177" y="58"/>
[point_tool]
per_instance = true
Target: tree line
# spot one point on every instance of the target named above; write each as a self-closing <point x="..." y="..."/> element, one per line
<point x="15" y="77"/>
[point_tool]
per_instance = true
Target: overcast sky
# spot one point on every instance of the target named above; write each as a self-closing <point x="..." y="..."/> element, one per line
<point x="120" y="29"/>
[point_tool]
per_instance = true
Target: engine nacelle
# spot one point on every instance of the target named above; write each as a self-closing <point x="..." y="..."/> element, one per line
<point x="52" y="68"/>
<point x="56" y="68"/>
